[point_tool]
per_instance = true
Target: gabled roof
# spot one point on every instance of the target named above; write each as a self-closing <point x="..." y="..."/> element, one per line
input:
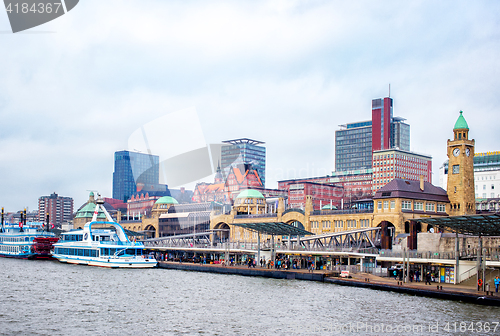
<point x="240" y="177"/>
<point x="411" y="189"/>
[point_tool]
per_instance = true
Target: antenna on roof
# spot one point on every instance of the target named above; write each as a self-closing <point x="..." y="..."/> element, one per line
<point x="389" y="90"/>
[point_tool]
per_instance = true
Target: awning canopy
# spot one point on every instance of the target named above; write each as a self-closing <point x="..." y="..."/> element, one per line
<point x="274" y="228"/>
<point x="484" y="225"/>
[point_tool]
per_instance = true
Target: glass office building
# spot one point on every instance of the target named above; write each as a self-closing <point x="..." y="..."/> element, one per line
<point x="353" y="146"/>
<point x="400" y="134"/>
<point x="131" y="169"/>
<point x="244" y="151"/>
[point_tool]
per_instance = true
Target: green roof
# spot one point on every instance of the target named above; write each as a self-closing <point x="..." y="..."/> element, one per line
<point x="88" y="211"/>
<point x="461" y="123"/>
<point x="250" y="193"/>
<point x="166" y="200"/>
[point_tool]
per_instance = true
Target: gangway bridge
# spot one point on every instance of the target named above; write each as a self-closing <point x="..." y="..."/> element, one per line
<point x="357" y="240"/>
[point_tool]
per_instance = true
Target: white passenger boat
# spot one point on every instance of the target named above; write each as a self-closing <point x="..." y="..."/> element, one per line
<point x="26" y="240"/>
<point x="102" y="247"/>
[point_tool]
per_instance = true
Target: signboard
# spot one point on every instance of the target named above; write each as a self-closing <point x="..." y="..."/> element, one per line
<point x="344" y="274"/>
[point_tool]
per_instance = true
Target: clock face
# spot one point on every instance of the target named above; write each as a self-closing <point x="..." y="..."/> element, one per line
<point x="456" y="151"/>
<point x="467" y="151"/>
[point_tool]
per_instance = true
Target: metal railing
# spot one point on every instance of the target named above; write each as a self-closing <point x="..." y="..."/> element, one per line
<point x="341" y="212"/>
<point x="264" y="215"/>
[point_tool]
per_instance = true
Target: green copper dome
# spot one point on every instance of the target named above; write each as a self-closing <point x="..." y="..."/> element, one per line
<point x="88" y="211"/>
<point x="250" y="193"/>
<point x="461" y="123"/>
<point x="166" y="200"/>
<point x="327" y="207"/>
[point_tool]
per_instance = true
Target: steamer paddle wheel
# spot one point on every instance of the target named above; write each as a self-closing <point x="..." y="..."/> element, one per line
<point x="42" y="247"/>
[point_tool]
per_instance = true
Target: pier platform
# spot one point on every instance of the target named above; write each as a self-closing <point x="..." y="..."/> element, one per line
<point x="364" y="280"/>
<point x="245" y="271"/>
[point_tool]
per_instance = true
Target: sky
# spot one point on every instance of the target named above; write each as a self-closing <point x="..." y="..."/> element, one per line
<point x="74" y="90"/>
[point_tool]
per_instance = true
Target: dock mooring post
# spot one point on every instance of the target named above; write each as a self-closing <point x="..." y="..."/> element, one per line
<point x="258" y="248"/>
<point x="457" y="258"/>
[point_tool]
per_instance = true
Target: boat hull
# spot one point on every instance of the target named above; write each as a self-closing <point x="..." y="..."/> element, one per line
<point x="109" y="262"/>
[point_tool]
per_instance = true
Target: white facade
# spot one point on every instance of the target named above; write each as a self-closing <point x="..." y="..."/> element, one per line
<point x="487" y="182"/>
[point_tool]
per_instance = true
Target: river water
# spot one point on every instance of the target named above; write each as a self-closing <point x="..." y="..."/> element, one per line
<point x="51" y="298"/>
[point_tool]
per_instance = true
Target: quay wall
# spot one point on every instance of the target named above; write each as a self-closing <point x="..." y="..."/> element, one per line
<point x="261" y="272"/>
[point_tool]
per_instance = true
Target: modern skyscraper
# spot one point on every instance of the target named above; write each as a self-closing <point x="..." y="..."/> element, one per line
<point x="381" y="123"/>
<point x="134" y="169"/>
<point x="244" y="151"/>
<point x="353" y="146"/>
<point x="355" y="142"/>
<point x="400" y="134"/>
<point x="59" y="209"/>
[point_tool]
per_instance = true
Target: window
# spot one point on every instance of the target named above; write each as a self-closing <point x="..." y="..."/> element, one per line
<point x="429" y="207"/>
<point x="419" y="206"/>
<point x="484" y="195"/>
<point x="386" y="205"/>
<point x="456" y="169"/>
<point x="484" y="187"/>
<point x="406" y="205"/>
<point x="393" y="205"/>
<point x="441" y="208"/>
<point x="492" y="195"/>
<point x="379" y="205"/>
<point x="492" y="186"/>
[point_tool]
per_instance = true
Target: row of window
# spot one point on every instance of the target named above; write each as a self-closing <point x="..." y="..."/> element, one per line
<point x="492" y="195"/>
<point x="484" y="186"/>
<point x="407" y="205"/>
<point x="13" y="249"/>
<point x="76" y="252"/>
<point x="352" y="224"/>
<point x="15" y="239"/>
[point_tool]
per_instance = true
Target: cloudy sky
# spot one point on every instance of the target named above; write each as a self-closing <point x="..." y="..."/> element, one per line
<point x="72" y="91"/>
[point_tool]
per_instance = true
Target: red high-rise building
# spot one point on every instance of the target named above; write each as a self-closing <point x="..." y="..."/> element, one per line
<point x="381" y="123"/>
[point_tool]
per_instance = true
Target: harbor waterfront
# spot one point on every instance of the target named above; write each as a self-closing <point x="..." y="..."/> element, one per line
<point x="62" y="299"/>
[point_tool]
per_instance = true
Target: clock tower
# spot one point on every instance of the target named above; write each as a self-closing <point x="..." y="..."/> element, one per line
<point x="461" y="171"/>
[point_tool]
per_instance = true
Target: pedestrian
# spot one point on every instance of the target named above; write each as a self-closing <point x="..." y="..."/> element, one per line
<point x="395" y="273"/>
<point x="497" y="283"/>
<point x="428" y="278"/>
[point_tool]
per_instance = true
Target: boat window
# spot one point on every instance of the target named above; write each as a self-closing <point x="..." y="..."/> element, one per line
<point x="131" y="251"/>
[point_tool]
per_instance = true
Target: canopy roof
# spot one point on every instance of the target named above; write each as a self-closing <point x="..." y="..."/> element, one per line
<point x="484" y="225"/>
<point x="274" y="228"/>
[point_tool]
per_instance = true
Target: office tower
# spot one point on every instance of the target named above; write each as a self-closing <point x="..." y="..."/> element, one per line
<point x="381" y="123"/>
<point x="244" y="151"/>
<point x="389" y="164"/>
<point x="134" y="171"/>
<point x="400" y="134"/>
<point x="59" y="209"/>
<point x="355" y="142"/>
<point x="353" y="146"/>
